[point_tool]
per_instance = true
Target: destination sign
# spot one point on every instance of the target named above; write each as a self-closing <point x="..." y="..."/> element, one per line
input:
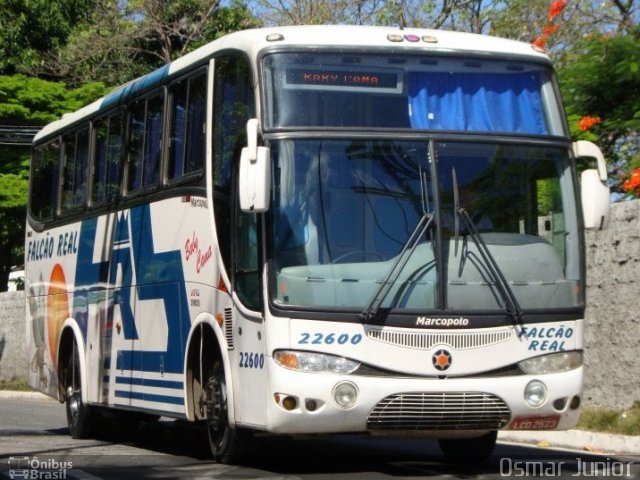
<point x="343" y="79"/>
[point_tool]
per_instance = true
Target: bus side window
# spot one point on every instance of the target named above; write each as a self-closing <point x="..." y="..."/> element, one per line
<point x="44" y="183"/>
<point x="196" y="118"/>
<point x="145" y="143"/>
<point x="179" y="95"/>
<point x="153" y="141"/>
<point x="136" y="146"/>
<point x="107" y="168"/>
<point x="99" y="180"/>
<point x="187" y="134"/>
<point x="68" y="171"/>
<point x="74" y="180"/>
<point x="247" y="268"/>
<point x="114" y="157"/>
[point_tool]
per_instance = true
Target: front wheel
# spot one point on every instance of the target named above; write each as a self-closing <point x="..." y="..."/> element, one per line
<point x="79" y="415"/>
<point x="227" y="444"/>
<point x="477" y="449"/>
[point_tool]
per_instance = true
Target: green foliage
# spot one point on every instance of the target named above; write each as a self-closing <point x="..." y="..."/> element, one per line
<point x="25" y="100"/>
<point x="522" y="20"/>
<point x="236" y="16"/>
<point x="14" y="174"/>
<point x="31" y="28"/>
<point x="120" y="44"/>
<point x="603" y="80"/>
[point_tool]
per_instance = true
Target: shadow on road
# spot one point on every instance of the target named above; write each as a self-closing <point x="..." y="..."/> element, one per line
<point x="175" y="449"/>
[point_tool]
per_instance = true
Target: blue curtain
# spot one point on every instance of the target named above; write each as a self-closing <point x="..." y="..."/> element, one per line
<point x="476" y="102"/>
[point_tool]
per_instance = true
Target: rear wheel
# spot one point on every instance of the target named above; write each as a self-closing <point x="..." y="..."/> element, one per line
<point x="79" y="415"/>
<point x="227" y="444"/>
<point x="477" y="449"/>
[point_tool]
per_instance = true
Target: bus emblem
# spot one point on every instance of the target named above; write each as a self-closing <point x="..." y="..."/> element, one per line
<point x="441" y="360"/>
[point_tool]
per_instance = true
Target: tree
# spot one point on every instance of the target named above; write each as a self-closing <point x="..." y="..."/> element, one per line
<point x="601" y="89"/>
<point x="451" y="14"/>
<point x="13" y="188"/>
<point x="122" y="43"/>
<point x="31" y="28"/>
<point x="27" y="101"/>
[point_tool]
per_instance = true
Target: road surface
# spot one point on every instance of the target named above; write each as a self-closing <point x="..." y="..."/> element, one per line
<point x="34" y="443"/>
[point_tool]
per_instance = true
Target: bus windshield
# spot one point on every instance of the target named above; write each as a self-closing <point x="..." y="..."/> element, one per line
<point x="434" y="93"/>
<point x="344" y="210"/>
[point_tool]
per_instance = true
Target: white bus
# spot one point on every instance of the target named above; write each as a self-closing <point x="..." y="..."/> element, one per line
<point x="306" y="230"/>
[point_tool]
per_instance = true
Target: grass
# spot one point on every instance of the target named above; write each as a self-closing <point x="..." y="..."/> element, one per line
<point x="626" y="422"/>
<point x="19" y="385"/>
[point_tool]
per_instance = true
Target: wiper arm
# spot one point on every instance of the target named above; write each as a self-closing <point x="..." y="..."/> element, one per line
<point x="408" y="248"/>
<point x="511" y="304"/>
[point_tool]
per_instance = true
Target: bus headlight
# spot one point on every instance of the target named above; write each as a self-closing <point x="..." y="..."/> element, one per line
<point x="345" y="394"/>
<point x="552" y="363"/>
<point x="535" y="393"/>
<point x="314" y="362"/>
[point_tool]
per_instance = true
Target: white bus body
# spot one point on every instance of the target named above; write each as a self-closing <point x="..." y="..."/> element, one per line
<point x="149" y="289"/>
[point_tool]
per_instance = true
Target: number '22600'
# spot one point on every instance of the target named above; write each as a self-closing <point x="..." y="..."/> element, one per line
<point x="329" y="339"/>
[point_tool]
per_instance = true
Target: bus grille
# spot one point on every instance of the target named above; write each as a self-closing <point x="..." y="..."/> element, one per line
<point x="439" y="411"/>
<point x="427" y="340"/>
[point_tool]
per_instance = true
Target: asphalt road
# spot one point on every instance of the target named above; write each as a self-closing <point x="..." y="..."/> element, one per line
<point x="34" y="443"/>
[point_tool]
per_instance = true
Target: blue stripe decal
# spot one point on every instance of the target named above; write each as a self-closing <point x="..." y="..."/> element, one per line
<point x="150" y="397"/>
<point x="129" y="90"/>
<point x="149" y="382"/>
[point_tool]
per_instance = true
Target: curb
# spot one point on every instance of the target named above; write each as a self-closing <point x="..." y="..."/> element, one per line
<point x="597" y="443"/>
<point x="13" y="395"/>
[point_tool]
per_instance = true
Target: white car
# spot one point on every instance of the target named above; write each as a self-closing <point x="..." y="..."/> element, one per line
<point x="16" y="280"/>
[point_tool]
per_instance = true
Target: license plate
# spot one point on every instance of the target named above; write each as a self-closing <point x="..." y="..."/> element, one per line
<point x="548" y="422"/>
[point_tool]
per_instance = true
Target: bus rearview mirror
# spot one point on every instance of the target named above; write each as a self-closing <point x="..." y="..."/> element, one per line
<point x="255" y="173"/>
<point x="594" y="190"/>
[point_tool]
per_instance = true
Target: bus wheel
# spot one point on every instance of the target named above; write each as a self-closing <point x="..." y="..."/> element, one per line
<point x="79" y="416"/>
<point x="226" y="443"/>
<point x="477" y="449"/>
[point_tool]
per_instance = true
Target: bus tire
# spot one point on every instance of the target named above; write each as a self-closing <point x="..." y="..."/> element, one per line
<point x="477" y="449"/>
<point x="227" y="444"/>
<point x="79" y="415"/>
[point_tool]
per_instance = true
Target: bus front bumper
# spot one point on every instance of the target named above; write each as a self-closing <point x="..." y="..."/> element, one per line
<point x="304" y="403"/>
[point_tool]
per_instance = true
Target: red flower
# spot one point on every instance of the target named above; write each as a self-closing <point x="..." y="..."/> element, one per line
<point x="556" y="8"/>
<point x="541" y="41"/>
<point x="549" y="29"/>
<point x="587" y="122"/>
<point x="632" y="185"/>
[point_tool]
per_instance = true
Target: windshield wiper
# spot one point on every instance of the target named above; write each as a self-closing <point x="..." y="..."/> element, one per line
<point x="408" y="248"/>
<point x="511" y="305"/>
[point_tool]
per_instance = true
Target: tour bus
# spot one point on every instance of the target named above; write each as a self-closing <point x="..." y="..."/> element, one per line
<point x="317" y="230"/>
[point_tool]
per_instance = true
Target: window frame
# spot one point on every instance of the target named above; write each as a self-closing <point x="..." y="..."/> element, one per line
<point x="170" y="114"/>
<point x="190" y="184"/>
<point x="108" y="118"/>
<point x="74" y="134"/>
<point x="40" y="150"/>
<point x="142" y="190"/>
